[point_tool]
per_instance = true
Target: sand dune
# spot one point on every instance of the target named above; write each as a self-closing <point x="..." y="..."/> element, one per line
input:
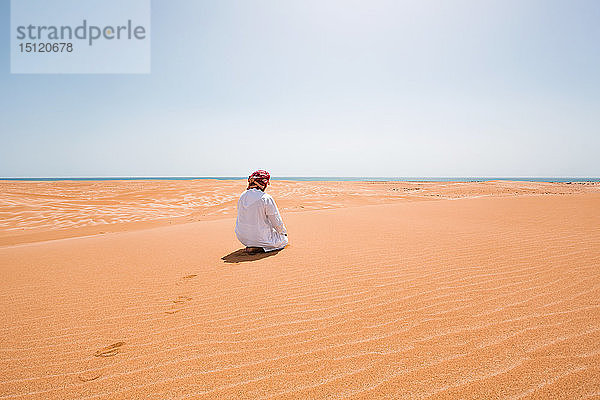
<point x="34" y="211"/>
<point x="490" y="291"/>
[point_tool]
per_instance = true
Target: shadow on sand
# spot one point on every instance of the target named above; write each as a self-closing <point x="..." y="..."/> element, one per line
<point x="240" y="255"/>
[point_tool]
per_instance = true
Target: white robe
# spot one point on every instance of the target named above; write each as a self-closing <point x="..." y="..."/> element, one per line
<point x="258" y="221"/>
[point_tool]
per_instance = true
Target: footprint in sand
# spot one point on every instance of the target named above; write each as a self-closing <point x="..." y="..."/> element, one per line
<point x="83" y="378"/>
<point x="182" y="299"/>
<point x="185" y="279"/>
<point x="176" y="307"/>
<point x="109" y="351"/>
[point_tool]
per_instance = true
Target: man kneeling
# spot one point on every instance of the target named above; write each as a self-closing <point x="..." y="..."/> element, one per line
<point x="259" y="226"/>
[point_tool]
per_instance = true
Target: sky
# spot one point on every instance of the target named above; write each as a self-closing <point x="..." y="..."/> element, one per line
<point x="324" y="88"/>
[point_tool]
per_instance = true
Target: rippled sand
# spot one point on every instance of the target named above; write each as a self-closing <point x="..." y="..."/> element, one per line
<point x="388" y="290"/>
<point x="35" y="211"/>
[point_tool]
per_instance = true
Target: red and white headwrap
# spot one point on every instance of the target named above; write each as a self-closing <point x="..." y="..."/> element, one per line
<point x="259" y="179"/>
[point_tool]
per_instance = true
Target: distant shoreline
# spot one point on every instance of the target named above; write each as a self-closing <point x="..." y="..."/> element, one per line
<point x="321" y="179"/>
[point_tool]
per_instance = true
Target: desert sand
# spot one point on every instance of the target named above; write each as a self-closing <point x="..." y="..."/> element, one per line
<point x="407" y="290"/>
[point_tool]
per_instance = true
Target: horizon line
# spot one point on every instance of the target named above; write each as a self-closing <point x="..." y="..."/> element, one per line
<point x="286" y="177"/>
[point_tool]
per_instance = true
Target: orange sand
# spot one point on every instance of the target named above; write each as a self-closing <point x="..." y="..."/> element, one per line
<point x="388" y="290"/>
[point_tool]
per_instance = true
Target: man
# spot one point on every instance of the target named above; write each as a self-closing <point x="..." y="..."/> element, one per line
<point x="259" y="226"/>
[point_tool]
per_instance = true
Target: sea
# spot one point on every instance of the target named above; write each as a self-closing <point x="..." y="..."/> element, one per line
<point x="324" y="178"/>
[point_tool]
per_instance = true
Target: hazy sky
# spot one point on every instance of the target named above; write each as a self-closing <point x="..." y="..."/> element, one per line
<point x="327" y="88"/>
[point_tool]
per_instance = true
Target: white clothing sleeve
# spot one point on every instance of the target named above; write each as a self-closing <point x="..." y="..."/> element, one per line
<point x="277" y="223"/>
<point x="273" y="216"/>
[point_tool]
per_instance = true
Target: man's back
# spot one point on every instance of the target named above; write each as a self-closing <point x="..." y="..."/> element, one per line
<point x="258" y="221"/>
